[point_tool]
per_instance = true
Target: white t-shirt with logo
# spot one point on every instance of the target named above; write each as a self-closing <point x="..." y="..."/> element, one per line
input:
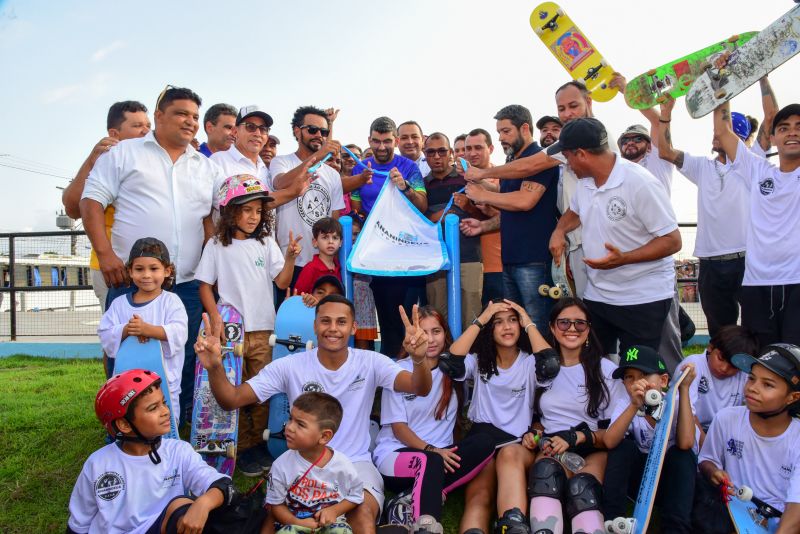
<point x="504" y="400"/>
<point x="710" y="394"/>
<point x="419" y="413"/>
<point x="118" y="493"/>
<point x="563" y="404"/>
<point x="723" y="204"/>
<point x="353" y="384"/>
<point x="324" y="196"/>
<point x="659" y="168"/>
<point x="243" y="272"/>
<point x="628" y="211"/>
<point x="321" y="487"/>
<point x="773" y="235"/>
<point x="769" y="466"/>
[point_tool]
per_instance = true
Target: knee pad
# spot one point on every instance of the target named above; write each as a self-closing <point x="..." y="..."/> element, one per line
<point x="546" y="478"/>
<point x="584" y="493"/>
<point x="512" y="522"/>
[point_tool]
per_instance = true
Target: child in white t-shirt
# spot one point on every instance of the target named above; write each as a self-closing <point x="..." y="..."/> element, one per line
<point x="642" y="369"/>
<point x="311" y="486"/>
<point x="140" y="484"/>
<point x="243" y="260"/>
<point x="149" y="313"/>
<point x="758" y="445"/>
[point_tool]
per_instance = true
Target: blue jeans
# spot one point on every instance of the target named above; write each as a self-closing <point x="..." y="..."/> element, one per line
<point x="189" y="293"/>
<point x="521" y="284"/>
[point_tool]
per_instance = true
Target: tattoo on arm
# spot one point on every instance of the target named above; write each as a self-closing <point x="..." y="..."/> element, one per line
<point x="678" y="159"/>
<point x="532" y="187"/>
<point x="726" y="115"/>
<point x="668" y="136"/>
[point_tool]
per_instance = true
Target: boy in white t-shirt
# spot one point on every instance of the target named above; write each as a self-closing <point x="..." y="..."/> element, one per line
<point x="311" y="486"/>
<point x="758" y="445"/>
<point x="140" y="484"/>
<point x="642" y="369"/>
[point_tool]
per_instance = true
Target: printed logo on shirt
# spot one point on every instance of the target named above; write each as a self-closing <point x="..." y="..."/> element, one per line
<point x="171" y="480"/>
<point x="259" y="262"/>
<point x="313" y="386"/>
<point x="736" y="399"/>
<point x="734" y="448"/>
<point x="307" y="496"/>
<point x="766" y="186"/>
<point x="786" y="471"/>
<point x="109" y="485"/>
<point x="408" y="397"/>
<point x="357" y="384"/>
<point x="314" y="204"/>
<point x="517" y="393"/>
<point x="616" y="209"/>
<point x="702" y="386"/>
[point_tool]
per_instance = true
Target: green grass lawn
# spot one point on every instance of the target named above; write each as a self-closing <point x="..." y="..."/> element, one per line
<point x="48" y="429"/>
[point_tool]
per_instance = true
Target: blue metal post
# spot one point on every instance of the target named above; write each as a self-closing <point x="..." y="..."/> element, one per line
<point x="451" y="239"/>
<point x="344" y="253"/>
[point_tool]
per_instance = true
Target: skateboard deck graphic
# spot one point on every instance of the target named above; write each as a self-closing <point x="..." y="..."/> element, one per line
<point x="573" y="50"/>
<point x="773" y="46"/>
<point x="675" y="78"/>
<point x="135" y="355"/>
<point x="215" y="430"/>
<point x="643" y="508"/>
<point x="561" y="286"/>
<point x="294" y="333"/>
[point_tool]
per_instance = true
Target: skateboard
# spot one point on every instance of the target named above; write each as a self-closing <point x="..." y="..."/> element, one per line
<point x="215" y="430"/>
<point x="675" y="78"/>
<point x="643" y="507"/>
<point x="750" y="514"/>
<point x="573" y="50"/>
<point x="135" y="355"/>
<point x="561" y="286"/>
<point x="294" y="332"/>
<point x="734" y="72"/>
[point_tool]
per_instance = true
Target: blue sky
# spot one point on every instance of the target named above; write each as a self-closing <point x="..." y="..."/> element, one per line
<point x="448" y="64"/>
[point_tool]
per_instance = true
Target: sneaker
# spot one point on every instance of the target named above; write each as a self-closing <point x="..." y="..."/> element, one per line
<point x="512" y="522"/>
<point x="262" y="456"/>
<point x="427" y="524"/>
<point x="247" y="463"/>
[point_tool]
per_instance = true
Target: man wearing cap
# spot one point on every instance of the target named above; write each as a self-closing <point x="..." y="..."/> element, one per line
<point x="270" y="149"/>
<point x="771" y="285"/>
<point x="723" y="198"/>
<point x="549" y="129"/>
<point x="161" y="187"/>
<point x="630" y="233"/>
<point x="219" y="124"/>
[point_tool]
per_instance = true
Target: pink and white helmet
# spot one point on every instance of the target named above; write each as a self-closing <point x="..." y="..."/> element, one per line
<point x="240" y="189"/>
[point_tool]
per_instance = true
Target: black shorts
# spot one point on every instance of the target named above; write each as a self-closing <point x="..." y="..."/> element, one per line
<point x="500" y="437"/>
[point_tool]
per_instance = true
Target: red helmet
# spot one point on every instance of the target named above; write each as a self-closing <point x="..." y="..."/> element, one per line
<point x="114" y="397"/>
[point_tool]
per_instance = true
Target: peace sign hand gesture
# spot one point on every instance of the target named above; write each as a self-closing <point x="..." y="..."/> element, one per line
<point x="207" y="347"/>
<point x="416" y="341"/>
<point x="293" y="248"/>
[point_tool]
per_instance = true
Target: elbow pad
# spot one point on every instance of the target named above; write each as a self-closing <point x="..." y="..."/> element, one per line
<point x="547" y="365"/>
<point x="452" y="366"/>
<point x="225" y="485"/>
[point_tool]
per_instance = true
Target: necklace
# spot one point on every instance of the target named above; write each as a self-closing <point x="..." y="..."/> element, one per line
<point x="721" y="172"/>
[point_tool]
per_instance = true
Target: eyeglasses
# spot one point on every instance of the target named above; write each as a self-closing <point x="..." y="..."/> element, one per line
<point x="634" y="139"/>
<point x="442" y="152"/>
<point x="161" y="96"/>
<point x="580" y="324"/>
<point x="252" y="127"/>
<point x="314" y="130"/>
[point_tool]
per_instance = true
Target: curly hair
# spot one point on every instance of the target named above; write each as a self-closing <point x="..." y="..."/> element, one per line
<point x="485" y="348"/>
<point x="226" y="226"/>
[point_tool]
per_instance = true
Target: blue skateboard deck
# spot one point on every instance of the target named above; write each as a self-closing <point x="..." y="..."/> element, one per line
<point x="215" y="432"/>
<point x="294" y="329"/>
<point x="751" y="515"/>
<point x="133" y="354"/>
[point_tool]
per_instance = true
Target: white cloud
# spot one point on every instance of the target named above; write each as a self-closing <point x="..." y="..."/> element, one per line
<point x="95" y="86"/>
<point x="106" y="51"/>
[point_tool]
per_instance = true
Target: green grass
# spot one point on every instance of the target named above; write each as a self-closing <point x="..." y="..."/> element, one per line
<point x="48" y="429"/>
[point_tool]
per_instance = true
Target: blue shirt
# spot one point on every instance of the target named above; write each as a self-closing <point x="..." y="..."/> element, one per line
<point x="204" y="150"/>
<point x="368" y="193"/>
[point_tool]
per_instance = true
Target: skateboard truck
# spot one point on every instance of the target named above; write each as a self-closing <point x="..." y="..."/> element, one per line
<point x="765" y="511"/>
<point x="551" y="24"/>
<point x="653" y="404"/>
<point x="237" y="350"/>
<point x="227" y="449"/>
<point x="292" y="343"/>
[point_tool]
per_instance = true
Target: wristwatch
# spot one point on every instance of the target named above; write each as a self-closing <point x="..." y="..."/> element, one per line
<point x="408" y="186"/>
<point x="477" y="323"/>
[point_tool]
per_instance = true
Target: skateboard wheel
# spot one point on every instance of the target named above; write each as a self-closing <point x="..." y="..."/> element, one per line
<point x="265" y="434"/>
<point x="744" y="494"/>
<point x="544" y="290"/>
<point x="230" y="450"/>
<point x="238" y="350"/>
<point x="720" y="94"/>
<point x="272" y="339"/>
<point x="733" y="38"/>
<point x="623" y="525"/>
<point x="651" y="72"/>
<point x="309" y="345"/>
<point x="555" y="293"/>
<point x="538" y="30"/>
<point x="652" y="397"/>
<point x="609" y="527"/>
<point x="559" y="12"/>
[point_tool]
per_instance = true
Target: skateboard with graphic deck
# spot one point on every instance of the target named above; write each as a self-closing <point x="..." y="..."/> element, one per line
<point x="749" y="514"/>
<point x="736" y="71"/>
<point x="573" y="50"/>
<point x="561" y="285"/>
<point x="133" y="354"/>
<point x="294" y="333"/>
<point x="643" y="508"/>
<point x="215" y="431"/>
<point x="675" y="78"/>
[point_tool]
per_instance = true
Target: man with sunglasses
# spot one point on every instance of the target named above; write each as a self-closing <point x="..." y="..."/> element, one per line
<point x="442" y="184"/>
<point x="635" y="145"/>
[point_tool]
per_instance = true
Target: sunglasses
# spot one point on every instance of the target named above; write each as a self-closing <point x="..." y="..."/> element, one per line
<point x="436" y="152"/>
<point x="252" y="127"/>
<point x="161" y="95"/>
<point x="314" y="130"/>
<point x="634" y="139"/>
<point x="580" y="325"/>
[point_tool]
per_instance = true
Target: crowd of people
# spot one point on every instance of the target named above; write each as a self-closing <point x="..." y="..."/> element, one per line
<point x="178" y="227"/>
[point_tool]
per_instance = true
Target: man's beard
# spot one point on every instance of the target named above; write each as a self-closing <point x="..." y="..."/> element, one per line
<point x="514" y="147"/>
<point x="631" y="156"/>
<point x="547" y="140"/>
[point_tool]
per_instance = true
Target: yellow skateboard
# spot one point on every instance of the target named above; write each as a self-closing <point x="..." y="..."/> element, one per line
<point x="573" y="50"/>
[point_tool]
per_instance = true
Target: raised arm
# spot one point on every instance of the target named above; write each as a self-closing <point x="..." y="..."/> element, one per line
<point x="723" y="131"/>
<point x="665" y="149"/>
<point x="415" y="344"/>
<point x="770" y="106"/>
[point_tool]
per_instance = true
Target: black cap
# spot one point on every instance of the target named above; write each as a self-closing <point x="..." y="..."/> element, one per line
<point x="253" y="111"/>
<point x="329" y="279"/>
<point x="785" y="113"/>
<point x="149" y="247"/>
<point x="548" y="118"/>
<point x="640" y="357"/>
<point x="580" y="133"/>
<point x="783" y="359"/>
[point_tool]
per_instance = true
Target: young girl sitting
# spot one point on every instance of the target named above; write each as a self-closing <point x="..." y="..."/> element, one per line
<point x="243" y="260"/>
<point x="149" y="313"/>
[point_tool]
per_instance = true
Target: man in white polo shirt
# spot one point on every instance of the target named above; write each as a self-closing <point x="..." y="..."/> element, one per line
<point x="629" y="235"/>
<point x="771" y="285"/>
<point x="160" y="187"/>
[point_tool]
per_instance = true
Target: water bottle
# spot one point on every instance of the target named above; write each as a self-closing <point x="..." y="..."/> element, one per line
<point x="571" y="461"/>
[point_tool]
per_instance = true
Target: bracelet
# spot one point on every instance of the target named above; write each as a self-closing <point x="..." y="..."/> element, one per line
<point x="477" y="323"/>
<point x="665" y="122"/>
<point x="429" y="447"/>
<point x="420" y="362"/>
<point x="530" y="324"/>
